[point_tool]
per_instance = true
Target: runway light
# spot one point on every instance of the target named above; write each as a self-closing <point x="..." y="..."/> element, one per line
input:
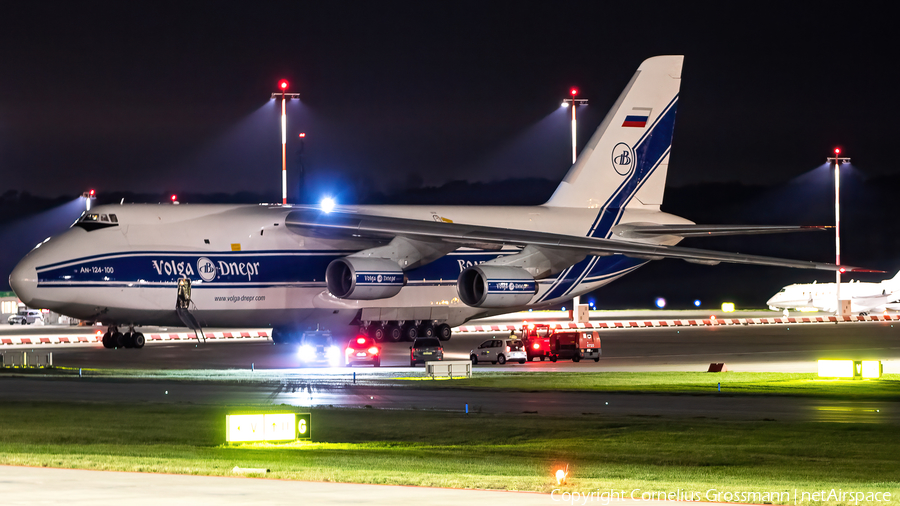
<point x="561" y="475"/>
<point x="728" y="307"/>
<point x="660" y="302"/>
<point x="327" y="204"/>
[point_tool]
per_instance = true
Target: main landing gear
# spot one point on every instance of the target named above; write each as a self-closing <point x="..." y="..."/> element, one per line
<point x="115" y="339"/>
<point x="396" y="331"/>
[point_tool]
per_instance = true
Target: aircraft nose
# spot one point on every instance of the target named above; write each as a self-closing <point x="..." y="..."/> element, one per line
<point x="23" y="281"/>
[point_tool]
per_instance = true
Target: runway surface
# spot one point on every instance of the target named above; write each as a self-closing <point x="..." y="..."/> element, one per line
<point x="30" y="486"/>
<point x="768" y="348"/>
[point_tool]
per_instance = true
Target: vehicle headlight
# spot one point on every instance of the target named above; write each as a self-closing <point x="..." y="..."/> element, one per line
<point x="334" y="355"/>
<point x="307" y="353"/>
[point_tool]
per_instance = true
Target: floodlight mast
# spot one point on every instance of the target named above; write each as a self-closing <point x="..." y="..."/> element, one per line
<point x="837" y="160"/>
<point x="283" y="85"/>
<point x="574" y="102"/>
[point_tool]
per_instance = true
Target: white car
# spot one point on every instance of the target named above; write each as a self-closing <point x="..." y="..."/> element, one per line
<point x="26" y="317"/>
<point x="499" y="351"/>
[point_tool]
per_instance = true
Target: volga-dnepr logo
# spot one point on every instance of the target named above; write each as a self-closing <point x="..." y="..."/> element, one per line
<point x="206" y="268"/>
<point x="623" y="159"/>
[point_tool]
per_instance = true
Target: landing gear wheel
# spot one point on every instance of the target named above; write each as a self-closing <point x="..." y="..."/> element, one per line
<point x="501" y="359"/>
<point x="279" y="336"/>
<point x="107" y="341"/>
<point x="376" y="332"/>
<point x="443" y="332"/>
<point x="531" y="359"/>
<point x="553" y="358"/>
<point x="576" y="358"/>
<point x="474" y="359"/>
<point x="410" y="333"/>
<point x="118" y="339"/>
<point x="128" y="340"/>
<point x="521" y="361"/>
<point x="412" y="363"/>
<point x="597" y="359"/>
<point x="392" y="333"/>
<point x="138" y="340"/>
<point x="426" y="330"/>
<point x="542" y="358"/>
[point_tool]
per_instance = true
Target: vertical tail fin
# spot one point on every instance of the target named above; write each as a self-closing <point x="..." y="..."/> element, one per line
<point x="625" y="161"/>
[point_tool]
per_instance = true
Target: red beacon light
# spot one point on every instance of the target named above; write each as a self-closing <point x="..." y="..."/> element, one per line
<point x="174" y="198"/>
<point x="837" y="151"/>
<point x="302" y="134"/>
<point x="574" y="91"/>
<point x="283" y="84"/>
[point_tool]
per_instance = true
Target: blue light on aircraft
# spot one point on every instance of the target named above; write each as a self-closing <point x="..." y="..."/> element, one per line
<point x="327" y="204"/>
<point x="660" y="302"/>
<point x="697" y="303"/>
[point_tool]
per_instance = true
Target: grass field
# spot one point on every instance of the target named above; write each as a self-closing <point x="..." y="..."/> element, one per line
<point x="515" y="452"/>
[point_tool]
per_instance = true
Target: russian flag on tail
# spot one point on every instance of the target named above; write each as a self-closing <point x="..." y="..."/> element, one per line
<point x="638" y="117"/>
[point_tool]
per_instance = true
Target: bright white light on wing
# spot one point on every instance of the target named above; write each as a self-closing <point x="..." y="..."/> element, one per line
<point x="564" y="104"/>
<point x="327" y="204"/>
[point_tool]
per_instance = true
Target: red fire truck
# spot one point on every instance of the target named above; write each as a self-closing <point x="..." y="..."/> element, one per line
<point x="536" y="337"/>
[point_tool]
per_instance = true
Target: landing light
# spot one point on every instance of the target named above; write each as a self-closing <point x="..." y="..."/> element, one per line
<point x="564" y="104"/>
<point x="697" y="303"/>
<point x="660" y="302"/>
<point x="327" y="204"/>
<point x="728" y="307"/>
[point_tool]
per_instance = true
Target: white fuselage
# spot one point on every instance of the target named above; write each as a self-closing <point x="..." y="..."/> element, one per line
<point x="863" y="297"/>
<point x="248" y="268"/>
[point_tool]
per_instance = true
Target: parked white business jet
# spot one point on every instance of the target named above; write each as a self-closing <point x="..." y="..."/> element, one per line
<point x="396" y="271"/>
<point x="864" y="297"/>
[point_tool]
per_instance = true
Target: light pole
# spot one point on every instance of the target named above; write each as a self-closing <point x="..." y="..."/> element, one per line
<point x="574" y="101"/>
<point x="565" y="103"/>
<point x="837" y="160"/>
<point x="88" y="196"/>
<point x="283" y="85"/>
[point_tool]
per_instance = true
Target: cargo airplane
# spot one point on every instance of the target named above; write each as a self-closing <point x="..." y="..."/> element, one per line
<point x="395" y="271"/>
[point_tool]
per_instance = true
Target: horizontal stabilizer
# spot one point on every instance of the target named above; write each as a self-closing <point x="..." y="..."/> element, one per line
<point x="642" y="231"/>
<point x="353" y="225"/>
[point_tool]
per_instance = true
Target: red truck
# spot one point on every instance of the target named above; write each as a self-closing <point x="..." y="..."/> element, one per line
<point x="536" y="337"/>
<point x="575" y="345"/>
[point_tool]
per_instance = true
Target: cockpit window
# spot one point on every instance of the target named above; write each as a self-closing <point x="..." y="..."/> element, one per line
<point x="94" y="221"/>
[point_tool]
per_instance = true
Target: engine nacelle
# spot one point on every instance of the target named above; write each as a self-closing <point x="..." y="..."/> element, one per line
<point x="495" y="286"/>
<point x="364" y="278"/>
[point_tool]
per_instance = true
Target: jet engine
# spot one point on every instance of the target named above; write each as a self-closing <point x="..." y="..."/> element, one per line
<point x="495" y="286"/>
<point x="364" y="278"/>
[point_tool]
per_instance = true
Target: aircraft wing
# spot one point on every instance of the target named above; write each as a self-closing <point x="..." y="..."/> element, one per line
<point x="340" y="224"/>
<point x="641" y="231"/>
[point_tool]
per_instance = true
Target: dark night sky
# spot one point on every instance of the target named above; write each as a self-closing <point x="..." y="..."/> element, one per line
<point x="157" y="96"/>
